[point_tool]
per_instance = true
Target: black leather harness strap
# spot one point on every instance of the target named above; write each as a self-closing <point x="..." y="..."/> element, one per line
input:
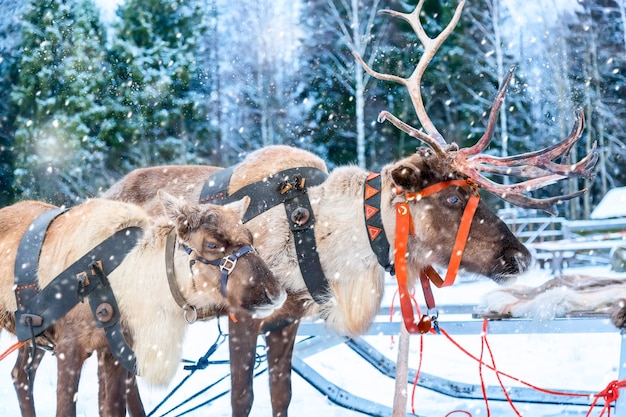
<point x="27" y="257"/>
<point x="374" y="222"/>
<point x="38" y="309"/>
<point x="107" y="314"/>
<point x="288" y="187"/>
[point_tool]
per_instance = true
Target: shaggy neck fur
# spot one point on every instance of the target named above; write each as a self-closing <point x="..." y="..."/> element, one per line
<point x="151" y="315"/>
<point x="355" y="276"/>
<point x="350" y="264"/>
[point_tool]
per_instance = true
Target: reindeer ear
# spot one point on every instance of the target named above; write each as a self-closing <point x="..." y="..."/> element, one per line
<point x="170" y="203"/>
<point x="415" y="172"/>
<point x="406" y="176"/>
<point x="178" y="212"/>
<point x="240" y="206"/>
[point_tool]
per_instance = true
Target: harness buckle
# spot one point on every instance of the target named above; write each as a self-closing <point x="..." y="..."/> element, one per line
<point x="299" y="182"/>
<point x="228" y="264"/>
<point x="284" y="187"/>
<point x="83" y="281"/>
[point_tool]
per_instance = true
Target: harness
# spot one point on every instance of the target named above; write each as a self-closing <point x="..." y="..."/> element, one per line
<point x="39" y="308"/>
<point x="288" y="187"/>
<point x="404" y="227"/>
<point x="226" y="265"/>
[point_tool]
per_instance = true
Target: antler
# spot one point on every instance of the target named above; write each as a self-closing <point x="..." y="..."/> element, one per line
<point x="536" y="169"/>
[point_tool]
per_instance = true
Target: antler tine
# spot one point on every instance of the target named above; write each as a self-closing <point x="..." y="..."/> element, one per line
<point x="551" y="152"/>
<point x="413" y="82"/>
<point x="431" y="46"/>
<point x="513" y="192"/>
<point x="582" y="168"/>
<point x="482" y="143"/>
<point x="413" y="132"/>
<point x="540" y="163"/>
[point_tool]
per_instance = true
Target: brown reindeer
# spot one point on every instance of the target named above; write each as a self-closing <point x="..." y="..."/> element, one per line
<point x="355" y="271"/>
<point x="150" y="313"/>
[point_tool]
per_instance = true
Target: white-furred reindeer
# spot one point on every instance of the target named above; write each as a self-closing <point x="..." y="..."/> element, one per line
<point x="154" y="322"/>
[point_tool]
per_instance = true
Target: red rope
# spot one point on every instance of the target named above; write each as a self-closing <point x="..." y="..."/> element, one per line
<point x="609" y="394"/>
<point x="480" y="375"/>
<point x="417" y="374"/>
<point x="485" y="342"/>
<point x="12" y="349"/>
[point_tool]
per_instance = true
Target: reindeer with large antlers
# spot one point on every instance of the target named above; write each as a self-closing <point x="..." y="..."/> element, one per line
<point x="420" y="211"/>
<point x="537" y="168"/>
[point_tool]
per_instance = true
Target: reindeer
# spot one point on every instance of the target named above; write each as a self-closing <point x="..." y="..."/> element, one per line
<point x="433" y="187"/>
<point x="156" y="293"/>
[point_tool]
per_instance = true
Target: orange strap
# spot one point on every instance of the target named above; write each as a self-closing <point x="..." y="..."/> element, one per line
<point x="13" y="349"/>
<point x="459" y="246"/>
<point x="435" y="188"/>
<point x="404" y="226"/>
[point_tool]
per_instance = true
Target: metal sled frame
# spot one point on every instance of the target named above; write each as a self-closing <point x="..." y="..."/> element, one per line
<point x="321" y="340"/>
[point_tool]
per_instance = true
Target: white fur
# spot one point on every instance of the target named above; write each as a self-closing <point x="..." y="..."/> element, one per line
<point x="139" y="283"/>
<point x="552" y="302"/>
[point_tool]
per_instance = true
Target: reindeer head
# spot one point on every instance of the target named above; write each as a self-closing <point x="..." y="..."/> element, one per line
<point x="222" y="260"/>
<point x="491" y="249"/>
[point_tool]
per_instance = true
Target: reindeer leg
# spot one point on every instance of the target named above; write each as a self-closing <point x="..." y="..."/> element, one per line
<point x="113" y="379"/>
<point x="133" y="400"/>
<point x="21" y="381"/>
<point x="70" y="359"/>
<point x="242" y="340"/>
<point x="280" y="344"/>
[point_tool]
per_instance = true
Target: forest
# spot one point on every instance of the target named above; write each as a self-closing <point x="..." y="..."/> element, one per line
<point x="85" y="99"/>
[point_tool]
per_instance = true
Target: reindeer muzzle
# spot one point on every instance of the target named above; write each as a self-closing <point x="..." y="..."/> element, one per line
<point x="226" y="264"/>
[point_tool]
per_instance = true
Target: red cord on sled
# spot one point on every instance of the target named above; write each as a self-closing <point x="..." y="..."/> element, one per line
<point x="12" y="349"/>
<point x="609" y="394"/>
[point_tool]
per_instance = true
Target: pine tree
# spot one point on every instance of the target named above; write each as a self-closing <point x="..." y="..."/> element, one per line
<point x="9" y="57"/>
<point x="157" y="118"/>
<point x="57" y="101"/>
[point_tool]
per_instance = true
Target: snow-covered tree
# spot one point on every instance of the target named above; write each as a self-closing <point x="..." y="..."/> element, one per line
<point x="58" y="102"/>
<point x="258" y="66"/>
<point x="155" y="115"/>
<point x="343" y="100"/>
<point x="9" y="56"/>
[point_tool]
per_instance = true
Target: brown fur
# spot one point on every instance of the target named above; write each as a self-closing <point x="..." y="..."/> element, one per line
<point x="150" y="316"/>
<point x="356" y="279"/>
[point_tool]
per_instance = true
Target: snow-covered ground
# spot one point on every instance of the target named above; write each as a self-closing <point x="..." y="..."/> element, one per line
<point x="585" y="361"/>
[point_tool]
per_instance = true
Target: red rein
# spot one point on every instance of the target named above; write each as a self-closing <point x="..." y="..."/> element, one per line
<point x="404" y="227"/>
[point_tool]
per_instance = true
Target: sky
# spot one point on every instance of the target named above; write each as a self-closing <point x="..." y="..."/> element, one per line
<point x="107" y="9"/>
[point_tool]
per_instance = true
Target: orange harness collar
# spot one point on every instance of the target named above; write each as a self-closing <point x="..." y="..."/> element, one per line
<point x="404" y="227"/>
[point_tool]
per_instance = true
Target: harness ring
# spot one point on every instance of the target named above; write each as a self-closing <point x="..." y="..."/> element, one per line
<point x="186" y="309"/>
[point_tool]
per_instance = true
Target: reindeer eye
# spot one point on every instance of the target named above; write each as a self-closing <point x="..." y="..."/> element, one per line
<point x="210" y="245"/>
<point x="453" y="200"/>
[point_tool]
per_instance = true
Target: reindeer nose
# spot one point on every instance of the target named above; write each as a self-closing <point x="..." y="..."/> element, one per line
<point x="519" y="259"/>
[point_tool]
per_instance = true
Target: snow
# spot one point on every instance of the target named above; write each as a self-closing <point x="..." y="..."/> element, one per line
<point x="585" y="361"/>
<point x="613" y="204"/>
